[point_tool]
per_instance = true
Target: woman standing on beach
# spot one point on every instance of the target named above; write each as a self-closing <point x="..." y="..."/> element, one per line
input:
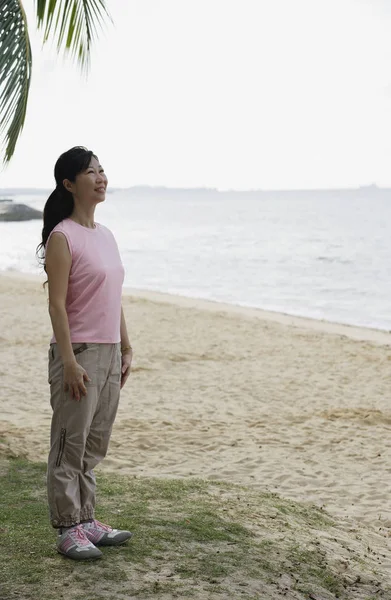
<point x="90" y="354"/>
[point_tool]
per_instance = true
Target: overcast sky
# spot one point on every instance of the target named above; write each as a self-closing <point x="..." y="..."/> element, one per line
<point x="241" y="94"/>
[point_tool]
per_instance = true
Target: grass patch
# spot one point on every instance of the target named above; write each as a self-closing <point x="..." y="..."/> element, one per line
<point x="192" y="539"/>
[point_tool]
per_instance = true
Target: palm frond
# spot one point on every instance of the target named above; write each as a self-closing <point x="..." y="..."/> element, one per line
<point x="15" y="73"/>
<point x="74" y="23"/>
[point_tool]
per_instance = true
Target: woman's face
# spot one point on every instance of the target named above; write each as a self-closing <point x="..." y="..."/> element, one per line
<point x="90" y="185"/>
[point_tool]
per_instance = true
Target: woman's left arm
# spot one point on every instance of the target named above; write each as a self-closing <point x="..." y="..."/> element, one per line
<point x="126" y="351"/>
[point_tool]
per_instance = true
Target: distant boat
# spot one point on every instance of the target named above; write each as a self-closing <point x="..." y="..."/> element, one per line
<point x="369" y="188"/>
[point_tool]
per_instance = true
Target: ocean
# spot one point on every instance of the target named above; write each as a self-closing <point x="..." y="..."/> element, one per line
<point x="319" y="254"/>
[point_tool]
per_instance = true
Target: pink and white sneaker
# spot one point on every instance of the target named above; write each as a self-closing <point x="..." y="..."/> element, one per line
<point x="75" y="544"/>
<point x="104" y="535"/>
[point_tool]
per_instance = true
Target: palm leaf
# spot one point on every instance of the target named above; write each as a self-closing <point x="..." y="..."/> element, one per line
<point x="74" y="23"/>
<point x="15" y="73"/>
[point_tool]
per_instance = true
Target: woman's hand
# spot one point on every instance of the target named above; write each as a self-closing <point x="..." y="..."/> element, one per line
<point x="126" y="360"/>
<point x="74" y="378"/>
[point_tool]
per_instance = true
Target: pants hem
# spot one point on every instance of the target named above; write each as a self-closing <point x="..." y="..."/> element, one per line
<point x="70" y="521"/>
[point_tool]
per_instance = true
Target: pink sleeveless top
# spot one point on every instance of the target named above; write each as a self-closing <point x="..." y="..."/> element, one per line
<point x="93" y="301"/>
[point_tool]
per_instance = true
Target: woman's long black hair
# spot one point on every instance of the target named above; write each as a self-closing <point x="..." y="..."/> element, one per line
<point x="60" y="204"/>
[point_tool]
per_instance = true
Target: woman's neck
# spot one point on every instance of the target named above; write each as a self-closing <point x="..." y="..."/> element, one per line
<point x="84" y="218"/>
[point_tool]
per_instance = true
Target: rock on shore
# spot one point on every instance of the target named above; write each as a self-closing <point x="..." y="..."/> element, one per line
<point x="17" y="212"/>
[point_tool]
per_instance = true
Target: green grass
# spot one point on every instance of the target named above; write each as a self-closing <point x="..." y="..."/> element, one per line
<point x="192" y="539"/>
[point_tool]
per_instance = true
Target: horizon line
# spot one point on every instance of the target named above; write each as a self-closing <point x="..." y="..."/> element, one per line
<point x="147" y="187"/>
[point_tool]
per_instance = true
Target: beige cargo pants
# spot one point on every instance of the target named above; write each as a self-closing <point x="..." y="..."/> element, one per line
<point x="80" y="430"/>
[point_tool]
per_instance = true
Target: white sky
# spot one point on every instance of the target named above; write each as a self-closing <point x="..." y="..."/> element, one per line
<point x="237" y="94"/>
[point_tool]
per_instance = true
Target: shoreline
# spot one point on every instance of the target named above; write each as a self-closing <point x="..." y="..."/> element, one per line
<point x="354" y="332"/>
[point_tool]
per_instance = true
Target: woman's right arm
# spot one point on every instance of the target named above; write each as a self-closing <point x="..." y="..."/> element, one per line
<point x="58" y="265"/>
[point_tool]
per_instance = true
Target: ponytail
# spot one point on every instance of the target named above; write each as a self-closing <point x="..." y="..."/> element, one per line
<point x="59" y="206"/>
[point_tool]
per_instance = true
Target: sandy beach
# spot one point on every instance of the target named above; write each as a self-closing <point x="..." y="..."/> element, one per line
<point x="289" y="405"/>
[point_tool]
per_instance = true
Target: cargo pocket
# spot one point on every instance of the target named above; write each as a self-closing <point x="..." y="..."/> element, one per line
<point x="61" y="447"/>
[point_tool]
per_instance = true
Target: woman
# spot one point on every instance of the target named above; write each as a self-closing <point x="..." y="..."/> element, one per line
<point x="90" y="354"/>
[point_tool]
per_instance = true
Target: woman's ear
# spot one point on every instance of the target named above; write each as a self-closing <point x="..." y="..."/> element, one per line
<point x="67" y="185"/>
